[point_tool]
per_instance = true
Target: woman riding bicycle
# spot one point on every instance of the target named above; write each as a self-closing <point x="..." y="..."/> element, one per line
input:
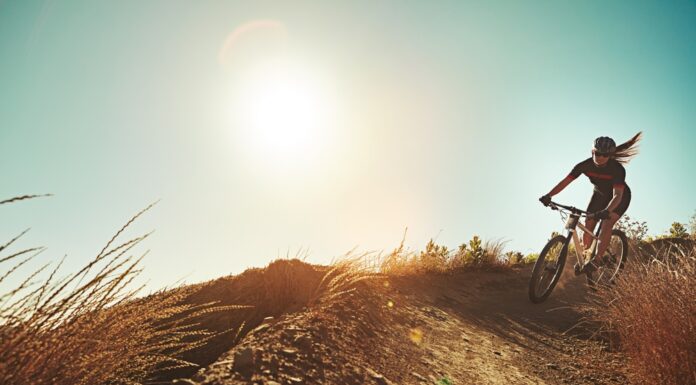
<point x="611" y="195"/>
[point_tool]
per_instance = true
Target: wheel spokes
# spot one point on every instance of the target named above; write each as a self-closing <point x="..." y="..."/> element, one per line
<point x="549" y="270"/>
<point x="544" y="281"/>
<point x="609" y="271"/>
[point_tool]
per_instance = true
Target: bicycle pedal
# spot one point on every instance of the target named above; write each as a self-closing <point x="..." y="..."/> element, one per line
<point x="577" y="269"/>
<point x="606" y="260"/>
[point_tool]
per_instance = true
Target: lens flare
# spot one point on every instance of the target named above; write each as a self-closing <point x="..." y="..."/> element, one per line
<point x="416" y="336"/>
<point x="251" y="38"/>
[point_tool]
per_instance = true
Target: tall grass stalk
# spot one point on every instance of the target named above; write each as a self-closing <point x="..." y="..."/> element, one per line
<point x="98" y="332"/>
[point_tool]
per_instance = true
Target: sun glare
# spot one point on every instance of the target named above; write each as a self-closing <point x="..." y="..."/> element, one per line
<point x="282" y="117"/>
<point x="283" y="112"/>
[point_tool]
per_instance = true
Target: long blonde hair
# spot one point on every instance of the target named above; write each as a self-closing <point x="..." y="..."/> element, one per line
<point x="628" y="149"/>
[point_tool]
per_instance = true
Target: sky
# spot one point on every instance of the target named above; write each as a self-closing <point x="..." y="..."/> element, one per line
<point x="272" y="128"/>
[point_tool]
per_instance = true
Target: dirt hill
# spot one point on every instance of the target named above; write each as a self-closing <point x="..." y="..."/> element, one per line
<point x="466" y="327"/>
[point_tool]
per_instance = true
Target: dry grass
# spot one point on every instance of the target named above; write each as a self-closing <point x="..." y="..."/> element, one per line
<point x="652" y="311"/>
<point x="349" y="270"/>
<point x="344" y="274"/>
<point x="88" y="328"/>
<point x="438" y="259"/>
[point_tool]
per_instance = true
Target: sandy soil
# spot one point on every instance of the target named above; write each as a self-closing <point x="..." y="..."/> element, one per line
<point x="468" y="327"/>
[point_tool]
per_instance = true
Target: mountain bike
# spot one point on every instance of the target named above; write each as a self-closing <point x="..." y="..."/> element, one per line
<point x="549" y="266"/>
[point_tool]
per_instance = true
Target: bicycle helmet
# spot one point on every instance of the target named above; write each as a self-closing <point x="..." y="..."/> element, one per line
<point x="605" y="145"/>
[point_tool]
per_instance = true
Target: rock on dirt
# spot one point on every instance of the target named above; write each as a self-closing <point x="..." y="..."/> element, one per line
<point x="243" y="361"/>
<point x="303" y="342"/>
<point x="418" y="376"/>
<point x="183" y="381"/>
<point x="289" y="352"/>
<point x="260" y="328"/>
<point x="380" y="379"/>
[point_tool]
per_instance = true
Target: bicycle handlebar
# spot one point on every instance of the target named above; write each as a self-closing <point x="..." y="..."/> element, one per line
<point x="575" y="210"/>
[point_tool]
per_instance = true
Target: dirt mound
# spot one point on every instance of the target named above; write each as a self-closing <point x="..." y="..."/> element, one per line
<point x="665" y="245"/>
<point x="283" y="287"/>
<point x="663" y="249"/>
<point x="467" y="327"/>
<point x="325" y="344"/>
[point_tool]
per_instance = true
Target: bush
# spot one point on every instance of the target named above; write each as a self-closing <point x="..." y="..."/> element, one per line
<point x="514" y="257"/>
<point x="434" y="257"/>
<point x="634" y="229"/>
<point x="478" y="253"/>
<point x="678" y="230"/>
<point x="531" y="258"/>
<point x="438" y="258"/>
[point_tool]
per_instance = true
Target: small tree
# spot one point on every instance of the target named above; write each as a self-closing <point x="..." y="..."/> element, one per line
<point x="531" y="258"/>
<point x="435" y="257"/>
<point x="634" y="229"/>
<point x="477" y="250"/>
<point x="678" y="231"/>
<point x="692" y="224"/>
<point x="472" y="254"/>
<point x="514" y="257"/>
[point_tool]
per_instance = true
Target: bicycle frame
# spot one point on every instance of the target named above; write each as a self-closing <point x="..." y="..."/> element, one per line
<point x="579" y="247"/>
<point x="573" y="221"/>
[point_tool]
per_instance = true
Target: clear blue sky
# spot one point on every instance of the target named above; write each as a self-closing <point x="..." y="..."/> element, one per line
<point x="267" y="127"/>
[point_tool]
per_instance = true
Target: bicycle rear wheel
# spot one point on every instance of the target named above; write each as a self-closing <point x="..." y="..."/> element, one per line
<point x="548" y="269"/>
<point x="614" y="259"/>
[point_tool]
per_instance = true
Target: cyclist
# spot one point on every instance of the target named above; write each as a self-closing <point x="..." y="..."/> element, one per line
<point x="611" y="195"/>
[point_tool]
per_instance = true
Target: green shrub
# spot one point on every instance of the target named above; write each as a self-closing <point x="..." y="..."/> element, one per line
<point x="531" y="258"/>
<point x="634" y="229"/>
<point x="434" y="257"/>
<point x="514" y="257"/>
<point x="678" y="230"/>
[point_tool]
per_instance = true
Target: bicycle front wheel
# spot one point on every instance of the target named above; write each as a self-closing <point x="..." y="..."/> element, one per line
<point x="614" y="259"/>
<point x="548" y="268"/>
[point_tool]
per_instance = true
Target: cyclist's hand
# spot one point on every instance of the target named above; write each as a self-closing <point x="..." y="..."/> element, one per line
<point x="602" y="214"/>
<point x="545" y="200"/>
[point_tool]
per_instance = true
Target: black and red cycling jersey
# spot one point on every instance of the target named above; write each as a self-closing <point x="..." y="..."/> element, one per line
<point x="604" y="178"/>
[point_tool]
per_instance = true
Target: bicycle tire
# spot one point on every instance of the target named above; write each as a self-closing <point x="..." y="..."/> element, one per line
<point x="616" y="266"/>
<point x="540" y="268"/>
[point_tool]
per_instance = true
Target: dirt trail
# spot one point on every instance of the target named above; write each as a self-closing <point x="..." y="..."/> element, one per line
<point x="469" y="327"/>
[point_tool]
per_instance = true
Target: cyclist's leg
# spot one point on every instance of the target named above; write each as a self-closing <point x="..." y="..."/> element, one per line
<point x="608" y="225"/>
<point x="597" y="202"/>
<point x="605" y="236"/>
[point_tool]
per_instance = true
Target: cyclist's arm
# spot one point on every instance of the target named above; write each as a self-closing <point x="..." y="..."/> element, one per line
<point x="561" y="185"/>
<point x="619" y="184"/>
<point x="616" y="199"/>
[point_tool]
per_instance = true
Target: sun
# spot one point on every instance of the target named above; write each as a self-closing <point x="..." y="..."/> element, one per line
<point x="282" y="116"/>
<point x="284" y="104"/>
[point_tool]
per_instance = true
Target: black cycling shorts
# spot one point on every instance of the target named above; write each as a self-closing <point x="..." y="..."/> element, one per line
<point x="600" y="201"/>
